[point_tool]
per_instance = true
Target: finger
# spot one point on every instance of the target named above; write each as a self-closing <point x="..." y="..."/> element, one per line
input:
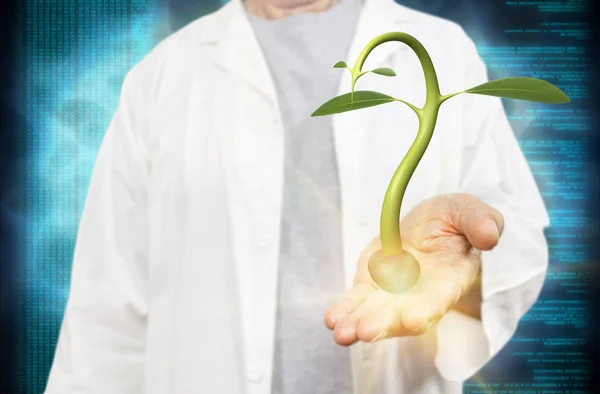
<point x="348" y="303"/>
<point x="346" y="331"/>
<point x="479" y="222"/>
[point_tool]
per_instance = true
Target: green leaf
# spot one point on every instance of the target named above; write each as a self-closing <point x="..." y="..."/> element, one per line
<point x="340" y="65"/>
<point x="388" y="72"/>
<point x="522" y="88"/>
<point x="346" y="102"/>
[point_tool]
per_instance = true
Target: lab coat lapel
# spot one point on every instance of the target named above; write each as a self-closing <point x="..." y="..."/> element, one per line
<point x="239" y="53"/>
<point x="248" y="120"/>
<point x="207" y="336"/>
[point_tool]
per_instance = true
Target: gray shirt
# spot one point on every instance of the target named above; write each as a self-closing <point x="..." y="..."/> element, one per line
<point x="300" y="51"/>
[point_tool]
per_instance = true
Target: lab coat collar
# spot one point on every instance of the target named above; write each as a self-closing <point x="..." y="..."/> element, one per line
<point x="239" y="52"/>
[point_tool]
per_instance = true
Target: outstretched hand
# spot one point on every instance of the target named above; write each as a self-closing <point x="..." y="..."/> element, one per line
<point x="446" y="234"/>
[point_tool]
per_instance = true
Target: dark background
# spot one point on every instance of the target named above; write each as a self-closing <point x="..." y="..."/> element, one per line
<point x="595" y="201"/>
<point x="12" y="154"/>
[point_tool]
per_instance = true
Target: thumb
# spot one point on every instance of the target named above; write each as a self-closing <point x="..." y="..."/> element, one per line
<point x="478" y="221"/>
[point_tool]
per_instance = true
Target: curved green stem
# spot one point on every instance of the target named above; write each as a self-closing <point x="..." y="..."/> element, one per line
<point x="390" y="212"/>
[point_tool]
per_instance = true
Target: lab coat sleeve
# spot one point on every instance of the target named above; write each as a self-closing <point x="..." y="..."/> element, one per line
<point x="493" y="168"/>
<point x="101" y="343"/>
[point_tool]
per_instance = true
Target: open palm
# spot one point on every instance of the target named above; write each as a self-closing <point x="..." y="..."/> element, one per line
<point x="446" y="234"/>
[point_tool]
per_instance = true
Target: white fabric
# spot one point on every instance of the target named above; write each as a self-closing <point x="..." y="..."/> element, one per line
<point x="300" y="51"/>
<point x="174" y="278"/>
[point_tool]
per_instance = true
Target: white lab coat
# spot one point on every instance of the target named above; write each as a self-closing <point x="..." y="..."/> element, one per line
<point x="173" y="287"/>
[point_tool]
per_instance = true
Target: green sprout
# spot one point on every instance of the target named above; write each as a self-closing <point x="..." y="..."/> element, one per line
<point x="392" y="268"/>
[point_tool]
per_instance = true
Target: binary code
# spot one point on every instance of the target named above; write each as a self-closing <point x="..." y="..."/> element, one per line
<point x="548" y="352"/>
<point x="554" y="6"/>
<point x="76" y="55"/>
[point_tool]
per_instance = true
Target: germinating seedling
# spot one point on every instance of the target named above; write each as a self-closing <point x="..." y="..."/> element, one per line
<point x="393" y="268"/>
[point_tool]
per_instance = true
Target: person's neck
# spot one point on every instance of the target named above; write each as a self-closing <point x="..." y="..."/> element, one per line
<point x="280" y="9"/>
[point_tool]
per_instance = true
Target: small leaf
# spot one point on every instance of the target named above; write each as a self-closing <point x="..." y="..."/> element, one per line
<point x="388" y="72"/>
<point x="347" y="102"/>
<point x="522" y="88"/>
<point x="340" y="64"/>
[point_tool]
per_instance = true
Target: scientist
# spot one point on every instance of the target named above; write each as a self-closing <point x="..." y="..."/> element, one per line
<point x="225" y="229"/>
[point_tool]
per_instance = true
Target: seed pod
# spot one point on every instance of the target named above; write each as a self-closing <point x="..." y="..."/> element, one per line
<point x="396" y="273"/>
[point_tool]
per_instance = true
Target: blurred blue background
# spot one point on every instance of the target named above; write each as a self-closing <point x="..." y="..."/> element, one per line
<point x="74" y="55"/>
